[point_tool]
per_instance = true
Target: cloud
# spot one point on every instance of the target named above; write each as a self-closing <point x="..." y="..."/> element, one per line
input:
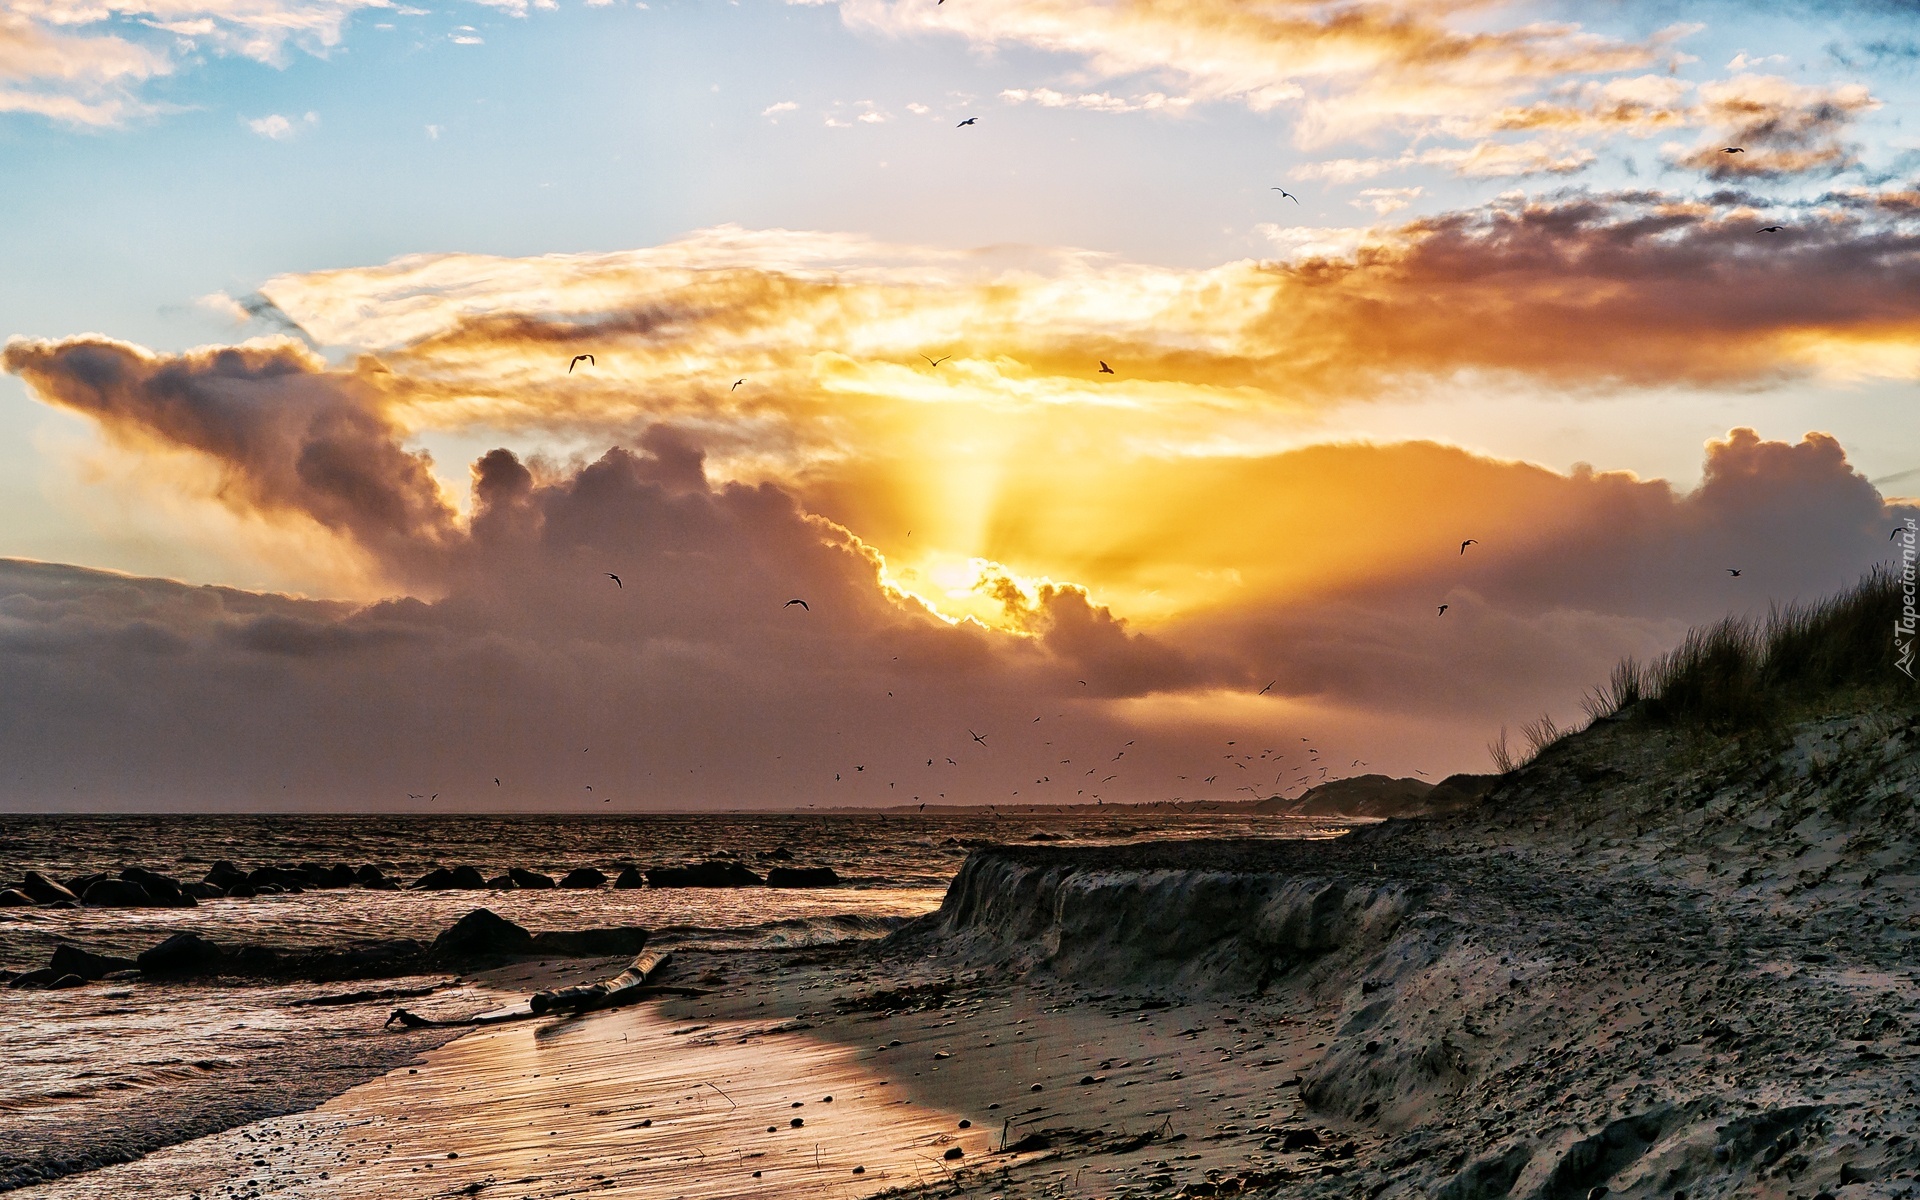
<point x="1386" y="200"/>
<point x="695" y="685"/>
<point x="84" y="81"/>
<point x="289" y="437"/>
<point x="1351" y="68"/>
<point x="1589" y="291"/>
<point x="1782" y="127"/>
<point x="774" y="110"/>
<point x="278" y="128"/>
<point x="1098" y="101"/>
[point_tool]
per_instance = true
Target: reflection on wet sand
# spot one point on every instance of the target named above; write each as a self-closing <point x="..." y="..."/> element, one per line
<point x="621" y="1103"/>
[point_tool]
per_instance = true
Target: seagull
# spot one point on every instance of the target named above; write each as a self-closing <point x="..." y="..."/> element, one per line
<point x="1105" y="369"/>
<point x="578" y="359"/>
<point x="801" y="603"/>
<point x="978" y="737"/>
<point x="736" y="384"/>
<point x="496" y="781"/>
<point x="412" y="796"/>
<point x="934" y="362"/>
<point x="1733" y="572"/>
<point x="435" y="796"/>
<point x="1468" y="542"/>
<point x="967" y="122"/>
<point x="1263" y="691"/>
<point x="1896" y="533"/>
<point x="1284" y="192"/>
<point x="616" y="580"/>
<point x="1769" y="229"/>
<point x="1732" y="150"/>
<point x="1442" y="612"/>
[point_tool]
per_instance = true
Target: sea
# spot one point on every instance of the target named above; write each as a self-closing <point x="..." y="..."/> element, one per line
<point x="106" y="1072"/>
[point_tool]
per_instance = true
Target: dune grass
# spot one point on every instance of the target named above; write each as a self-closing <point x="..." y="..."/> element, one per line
<point x="1740" y="674"/>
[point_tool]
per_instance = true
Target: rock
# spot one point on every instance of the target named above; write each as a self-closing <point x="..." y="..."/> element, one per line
<point x="44" y="890"/>
<point x="280" y="879"/>
<point x="182" y="954"/>
<point x="529" y="879"/>
<point x="224" y="875"/>
<point x="469" y="878"/>
<point x="782" y="855"/>
<point x="28" y="979"/>
<point x="802" y="877"/>
<point x="713" y="873"/>
<point x="481" y="933"/>
<point x="502" y="883"/>
<point x="369" y="876"/>
<point x="72" y="960"/>
<point x="241" y="891"/>
<point x="79" y="885"/>
<point x="115" y="893"/>
<point x="164" y="889"/>
<point x="15" y="898"/>
<point x="437" y="880"/>
<point x="583" y="877"/>
<point x="67" y="981"/>
<point x="203" y="891"/>
<point x="590" y="943"/>
<point x="630" y="877"/>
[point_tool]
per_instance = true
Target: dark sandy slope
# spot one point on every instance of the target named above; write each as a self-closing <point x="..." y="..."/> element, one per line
<point x="1646" y="965"/>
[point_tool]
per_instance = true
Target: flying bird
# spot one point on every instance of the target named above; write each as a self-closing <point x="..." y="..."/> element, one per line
<point x="616" y="580"/>
<point x="1105" y="369"/>
<point x="934" y="362"/>
<point x="1769" y="229"/>
<point x="1896" y="533"/>
<point x="978" y="737"/>
<point x="967" y="122"/>
<point x="496" y="781"/>
<point x="1263" y="691"/>
<point x="1733" y="572"/>
<point x="1442" y="612"/>
<point x="1284" y="192"/>
<point x="800" y="602"/>
<point x="1732" y="150"/>
<point x="736" y="383"/>
<point x="580" y="358"/>
<point x="1468" y="542"/>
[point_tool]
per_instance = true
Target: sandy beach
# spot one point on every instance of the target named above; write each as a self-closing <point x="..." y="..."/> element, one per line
<point x="1631" y="971"/>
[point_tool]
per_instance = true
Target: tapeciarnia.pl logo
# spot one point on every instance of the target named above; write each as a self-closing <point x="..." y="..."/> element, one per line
<point x="1909" y="622"/>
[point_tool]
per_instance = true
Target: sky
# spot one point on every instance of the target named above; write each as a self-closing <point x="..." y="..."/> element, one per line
<point x="1140" y="426"/>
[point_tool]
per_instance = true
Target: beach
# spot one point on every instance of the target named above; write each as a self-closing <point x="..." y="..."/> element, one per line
<point x="1630" y="971"/>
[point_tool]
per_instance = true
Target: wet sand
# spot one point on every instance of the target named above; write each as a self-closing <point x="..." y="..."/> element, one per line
<point x="693" y="1097"/>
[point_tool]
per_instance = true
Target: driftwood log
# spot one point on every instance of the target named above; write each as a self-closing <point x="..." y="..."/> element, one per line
<point x="625" y="988"/>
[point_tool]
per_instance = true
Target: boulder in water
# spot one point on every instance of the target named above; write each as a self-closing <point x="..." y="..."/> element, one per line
<point x="802" y="877"/>
<point x="529" y="879"/>
<point x="224" y="875"/>
<point x="115" y="893"/>
<point x="630" y="877"/>
<point x="782" y="854"/>
<point x="481" y="933"/>
<point x="437" y="880"/>
<point x="280" y="879"/>
<point x="15" y="898"/>
<point x="203" y="890"/>
<point x="584" y="877"/>
<point x="165" y="890"/>
<point x="469" y="878"/>
<point x="44" y="890"/>
<point x="72" y="960"/>
<point x="29" y="979"/>
<point x="713" y="873"/>
<point x="502" y="882"/>
<point x="182" y="954"/>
